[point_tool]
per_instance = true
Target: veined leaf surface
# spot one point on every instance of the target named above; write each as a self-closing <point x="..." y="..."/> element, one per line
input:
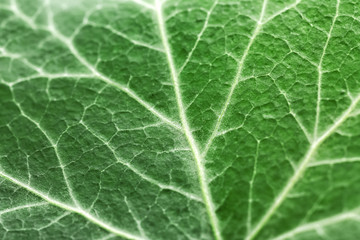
<point x="179" y="119"/>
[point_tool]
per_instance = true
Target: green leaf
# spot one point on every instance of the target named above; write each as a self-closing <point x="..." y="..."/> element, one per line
<point x="179" y="119"/>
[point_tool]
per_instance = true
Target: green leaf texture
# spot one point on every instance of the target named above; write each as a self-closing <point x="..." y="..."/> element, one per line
<point x="180" y="119"/>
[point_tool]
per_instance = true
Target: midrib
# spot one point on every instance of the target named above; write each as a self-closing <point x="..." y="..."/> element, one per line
<point x="185" y="125"/>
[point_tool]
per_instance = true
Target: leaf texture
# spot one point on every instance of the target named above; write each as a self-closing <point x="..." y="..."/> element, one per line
<point x="179" y="119"/>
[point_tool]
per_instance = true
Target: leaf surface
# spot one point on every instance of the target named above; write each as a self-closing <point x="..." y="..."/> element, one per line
<point x="179" y="119"/>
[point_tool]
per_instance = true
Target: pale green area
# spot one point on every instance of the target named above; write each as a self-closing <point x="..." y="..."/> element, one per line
<point x="180" y="119"/>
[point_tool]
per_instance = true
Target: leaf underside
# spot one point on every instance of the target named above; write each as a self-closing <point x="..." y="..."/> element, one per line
<point x="180" y="119"/>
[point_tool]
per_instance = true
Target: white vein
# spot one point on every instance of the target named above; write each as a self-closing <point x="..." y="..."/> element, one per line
<point x="123" y="35"/>
<point x="237" y="78"/>
<point x="15" y="9"/>
<point x="198" y="36"/>
<point x="15" y="56"/>
<point x="107" y="237"/>
<point x="334" y="161"/>
<point x="195" y="150"/>
<point x="301" y="169"/>
<point x="30" y="205"/>
<point x="320" y="71"/>
<point x="309" y="21"/>
<point x="50" y="76"/>
<point x="87" y="215"/>
<point x="55" y="220"/>
<point x="297" y="119"/>
<point x="40" y="72"/>
<point x="301" y="125"/>
<point x="144" y="4"/>
<point x="250" y="198"/>
<point x="292" y="49"/>
<point x="137" y="220"/>
<point x="320" y="224"/>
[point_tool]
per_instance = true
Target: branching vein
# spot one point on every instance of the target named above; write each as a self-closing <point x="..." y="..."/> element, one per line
<point x="30" y="205"/>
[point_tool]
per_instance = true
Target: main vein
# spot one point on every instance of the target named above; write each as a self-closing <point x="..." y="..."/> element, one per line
<point x="185" y="125"/>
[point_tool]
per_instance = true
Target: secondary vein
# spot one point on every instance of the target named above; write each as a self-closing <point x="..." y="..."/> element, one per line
<point x="31" y="205"/>
<point x="237" y="78"/>
<point x="206" y="22"/>
<point x="320" y="71"/>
